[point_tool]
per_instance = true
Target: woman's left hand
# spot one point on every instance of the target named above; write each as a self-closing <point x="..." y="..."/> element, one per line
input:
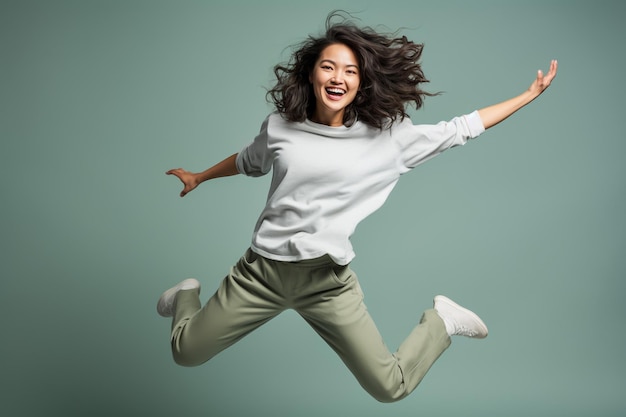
<point x="496" y="113"/>
<point x="543" y="81"/>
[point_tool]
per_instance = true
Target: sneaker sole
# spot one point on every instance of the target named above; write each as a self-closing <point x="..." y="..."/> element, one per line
<point x="164" y="304"/>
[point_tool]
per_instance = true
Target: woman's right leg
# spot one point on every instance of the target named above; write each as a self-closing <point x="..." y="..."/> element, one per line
<point x="246" y="298"/>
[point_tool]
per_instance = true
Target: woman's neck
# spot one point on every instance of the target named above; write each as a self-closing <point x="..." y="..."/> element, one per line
<point x="334" y="119"/>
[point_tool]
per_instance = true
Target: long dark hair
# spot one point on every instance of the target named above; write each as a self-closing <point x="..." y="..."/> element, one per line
<point x="390" y="74"/>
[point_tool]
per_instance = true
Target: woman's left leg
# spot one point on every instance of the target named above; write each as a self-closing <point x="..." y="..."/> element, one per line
<point x="341" y="318"/>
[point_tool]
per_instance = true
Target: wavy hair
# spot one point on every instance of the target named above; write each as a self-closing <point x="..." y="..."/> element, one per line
<point x="388" y="65"/>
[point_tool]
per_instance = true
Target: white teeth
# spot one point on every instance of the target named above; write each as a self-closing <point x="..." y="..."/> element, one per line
<point x="335" y="90"/>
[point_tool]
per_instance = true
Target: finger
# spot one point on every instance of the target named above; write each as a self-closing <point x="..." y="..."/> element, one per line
<point x="554" y="66"/>
<point x="178" y="172"/>
<point x="185" y="191"/>
<point x="539" y="77"/>
<point x="551" y="73"/>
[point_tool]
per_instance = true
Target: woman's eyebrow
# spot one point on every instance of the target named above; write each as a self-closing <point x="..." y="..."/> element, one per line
<point x="334" y="63"/>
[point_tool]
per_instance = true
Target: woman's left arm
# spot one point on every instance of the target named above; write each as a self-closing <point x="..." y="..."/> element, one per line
<point x="493" y="115"/>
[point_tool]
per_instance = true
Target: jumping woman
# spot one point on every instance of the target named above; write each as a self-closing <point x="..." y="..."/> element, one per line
<point x="336" y="145"/>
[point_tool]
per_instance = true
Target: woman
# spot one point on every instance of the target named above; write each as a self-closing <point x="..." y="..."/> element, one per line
<point x="337" y="144"/>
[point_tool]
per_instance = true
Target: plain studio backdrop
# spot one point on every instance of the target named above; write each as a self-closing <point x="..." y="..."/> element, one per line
<point x="524" y="225"/>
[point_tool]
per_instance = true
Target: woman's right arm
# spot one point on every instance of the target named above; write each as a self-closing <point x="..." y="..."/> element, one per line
<point x="191" y="180"/>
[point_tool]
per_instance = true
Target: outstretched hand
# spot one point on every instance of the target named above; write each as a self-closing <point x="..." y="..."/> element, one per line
<point x="543" y="81"/>
<point x="494" y="114"/>
<point x="189" y="179"/>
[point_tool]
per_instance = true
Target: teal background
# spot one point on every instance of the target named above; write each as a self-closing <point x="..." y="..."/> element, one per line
<point x="525" y="225"/>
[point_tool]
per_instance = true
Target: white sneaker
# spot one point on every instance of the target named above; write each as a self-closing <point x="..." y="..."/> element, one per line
<point x="459" y="321"/>
<point x="167" y="303"/>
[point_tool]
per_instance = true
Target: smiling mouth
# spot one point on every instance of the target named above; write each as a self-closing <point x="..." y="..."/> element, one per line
<point x="337" y="92"/>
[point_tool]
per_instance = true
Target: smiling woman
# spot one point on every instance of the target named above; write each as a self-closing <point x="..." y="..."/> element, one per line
<point x="337" y="145"/>
<point x="387" y="67"/>
<point x="335" y="79"/>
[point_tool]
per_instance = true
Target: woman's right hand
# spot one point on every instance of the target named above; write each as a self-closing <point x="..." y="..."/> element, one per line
<point x="189" y="179"/>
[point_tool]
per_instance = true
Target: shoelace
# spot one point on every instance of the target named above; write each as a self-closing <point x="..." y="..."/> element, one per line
<point x="461" y="330"/>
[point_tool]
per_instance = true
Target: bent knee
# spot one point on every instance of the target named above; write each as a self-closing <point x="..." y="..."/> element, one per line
<point x="188" y="359"/>
<point x="187" y="354"/>
<point x="184" y="360"/>
<point x="386" y="394"/>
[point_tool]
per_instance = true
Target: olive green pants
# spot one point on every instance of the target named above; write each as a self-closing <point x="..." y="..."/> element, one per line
<point x="329" y="298"/>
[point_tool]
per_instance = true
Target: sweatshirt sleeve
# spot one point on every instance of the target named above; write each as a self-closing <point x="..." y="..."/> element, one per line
<point x="419" y="143"/>
<point x="255" y="159"/>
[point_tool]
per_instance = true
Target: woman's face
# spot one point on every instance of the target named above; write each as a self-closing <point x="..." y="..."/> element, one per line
<point x="335" y="79"/>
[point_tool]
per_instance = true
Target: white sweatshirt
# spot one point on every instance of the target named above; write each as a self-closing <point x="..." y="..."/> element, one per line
<point x="328" y="179"/>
